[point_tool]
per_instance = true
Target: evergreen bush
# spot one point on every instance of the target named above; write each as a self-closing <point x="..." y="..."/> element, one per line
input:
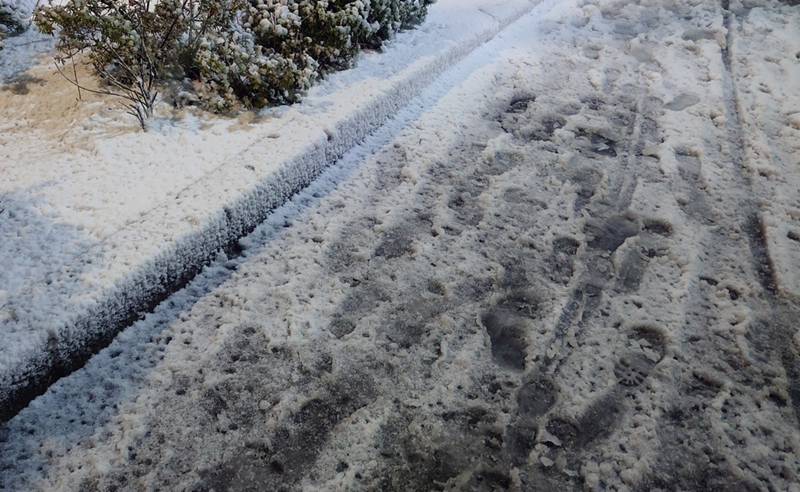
<point x="134" y="45"/>
<point x="253" y="52"/>
<point x="13" y="17"/>
<point x="276" y="49"/>
<point x="390" y="16"/>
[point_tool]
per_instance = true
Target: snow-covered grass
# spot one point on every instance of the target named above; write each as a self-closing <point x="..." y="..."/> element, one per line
<point x="99" y="219"/>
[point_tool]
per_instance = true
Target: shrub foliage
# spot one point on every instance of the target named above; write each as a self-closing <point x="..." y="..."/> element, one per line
<point x="134" y="45"/>
<point x="13" y="17"/>
<point x="250" y="52"/>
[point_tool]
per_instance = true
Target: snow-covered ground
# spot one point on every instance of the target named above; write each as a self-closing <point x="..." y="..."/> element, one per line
<point x="569" y="264"/>
<point x="101" y="220"/>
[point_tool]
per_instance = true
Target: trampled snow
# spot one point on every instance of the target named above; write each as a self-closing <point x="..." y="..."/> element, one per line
<point x="567" y="265"/>
<point x="101" y="219"/>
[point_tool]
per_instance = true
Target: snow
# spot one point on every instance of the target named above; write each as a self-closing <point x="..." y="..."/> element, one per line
<point x="558" y="267"/>
<point x="768" y="86"/>
<point x="19" y="11"/>
<point x="101" y="219"/>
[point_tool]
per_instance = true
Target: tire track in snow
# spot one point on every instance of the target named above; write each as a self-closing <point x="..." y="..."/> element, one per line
<point x="714" y="207"/>
<point x="754" y="226"/>
<point x="725" y="307"/>
<point x="777" y="327"/>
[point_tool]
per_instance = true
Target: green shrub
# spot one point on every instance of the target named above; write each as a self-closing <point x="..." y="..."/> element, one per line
<point x="258" y="59"/>
<point x="133" y="45"/>
<point x="13" y="17"/>
<point x="276" y="49"/>
<point x="390" y="16"/>
<point x="254" y="52"/>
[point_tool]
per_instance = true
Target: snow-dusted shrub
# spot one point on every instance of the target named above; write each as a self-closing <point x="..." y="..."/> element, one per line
<point x="387" y="17"/>
<point x="14" y="16"/>
<point x="334" y="29"/>
<point x="277" y="48"/>
<point x="256" y="52"/>
<point x="133" y="44"/>
<point x="258" y="58"/>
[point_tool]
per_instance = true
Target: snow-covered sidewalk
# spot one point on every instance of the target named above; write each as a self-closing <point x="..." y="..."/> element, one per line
<point x="100" y="221"/>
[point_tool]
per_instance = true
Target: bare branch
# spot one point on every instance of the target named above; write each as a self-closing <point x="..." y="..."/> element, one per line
<point x="101" y="92"/>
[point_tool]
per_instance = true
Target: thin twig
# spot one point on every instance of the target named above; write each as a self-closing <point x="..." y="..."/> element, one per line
<point x="101" y="92"/>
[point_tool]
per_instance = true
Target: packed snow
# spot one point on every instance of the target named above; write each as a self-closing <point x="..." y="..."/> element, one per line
<point x="568" y="264"/>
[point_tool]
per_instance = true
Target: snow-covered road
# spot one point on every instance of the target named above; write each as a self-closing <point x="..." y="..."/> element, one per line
<point x="570" y="264"/>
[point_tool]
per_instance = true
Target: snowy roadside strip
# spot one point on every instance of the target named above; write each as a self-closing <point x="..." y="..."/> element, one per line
<point x="769" y="111"/>
<point x="138" y="274"/>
